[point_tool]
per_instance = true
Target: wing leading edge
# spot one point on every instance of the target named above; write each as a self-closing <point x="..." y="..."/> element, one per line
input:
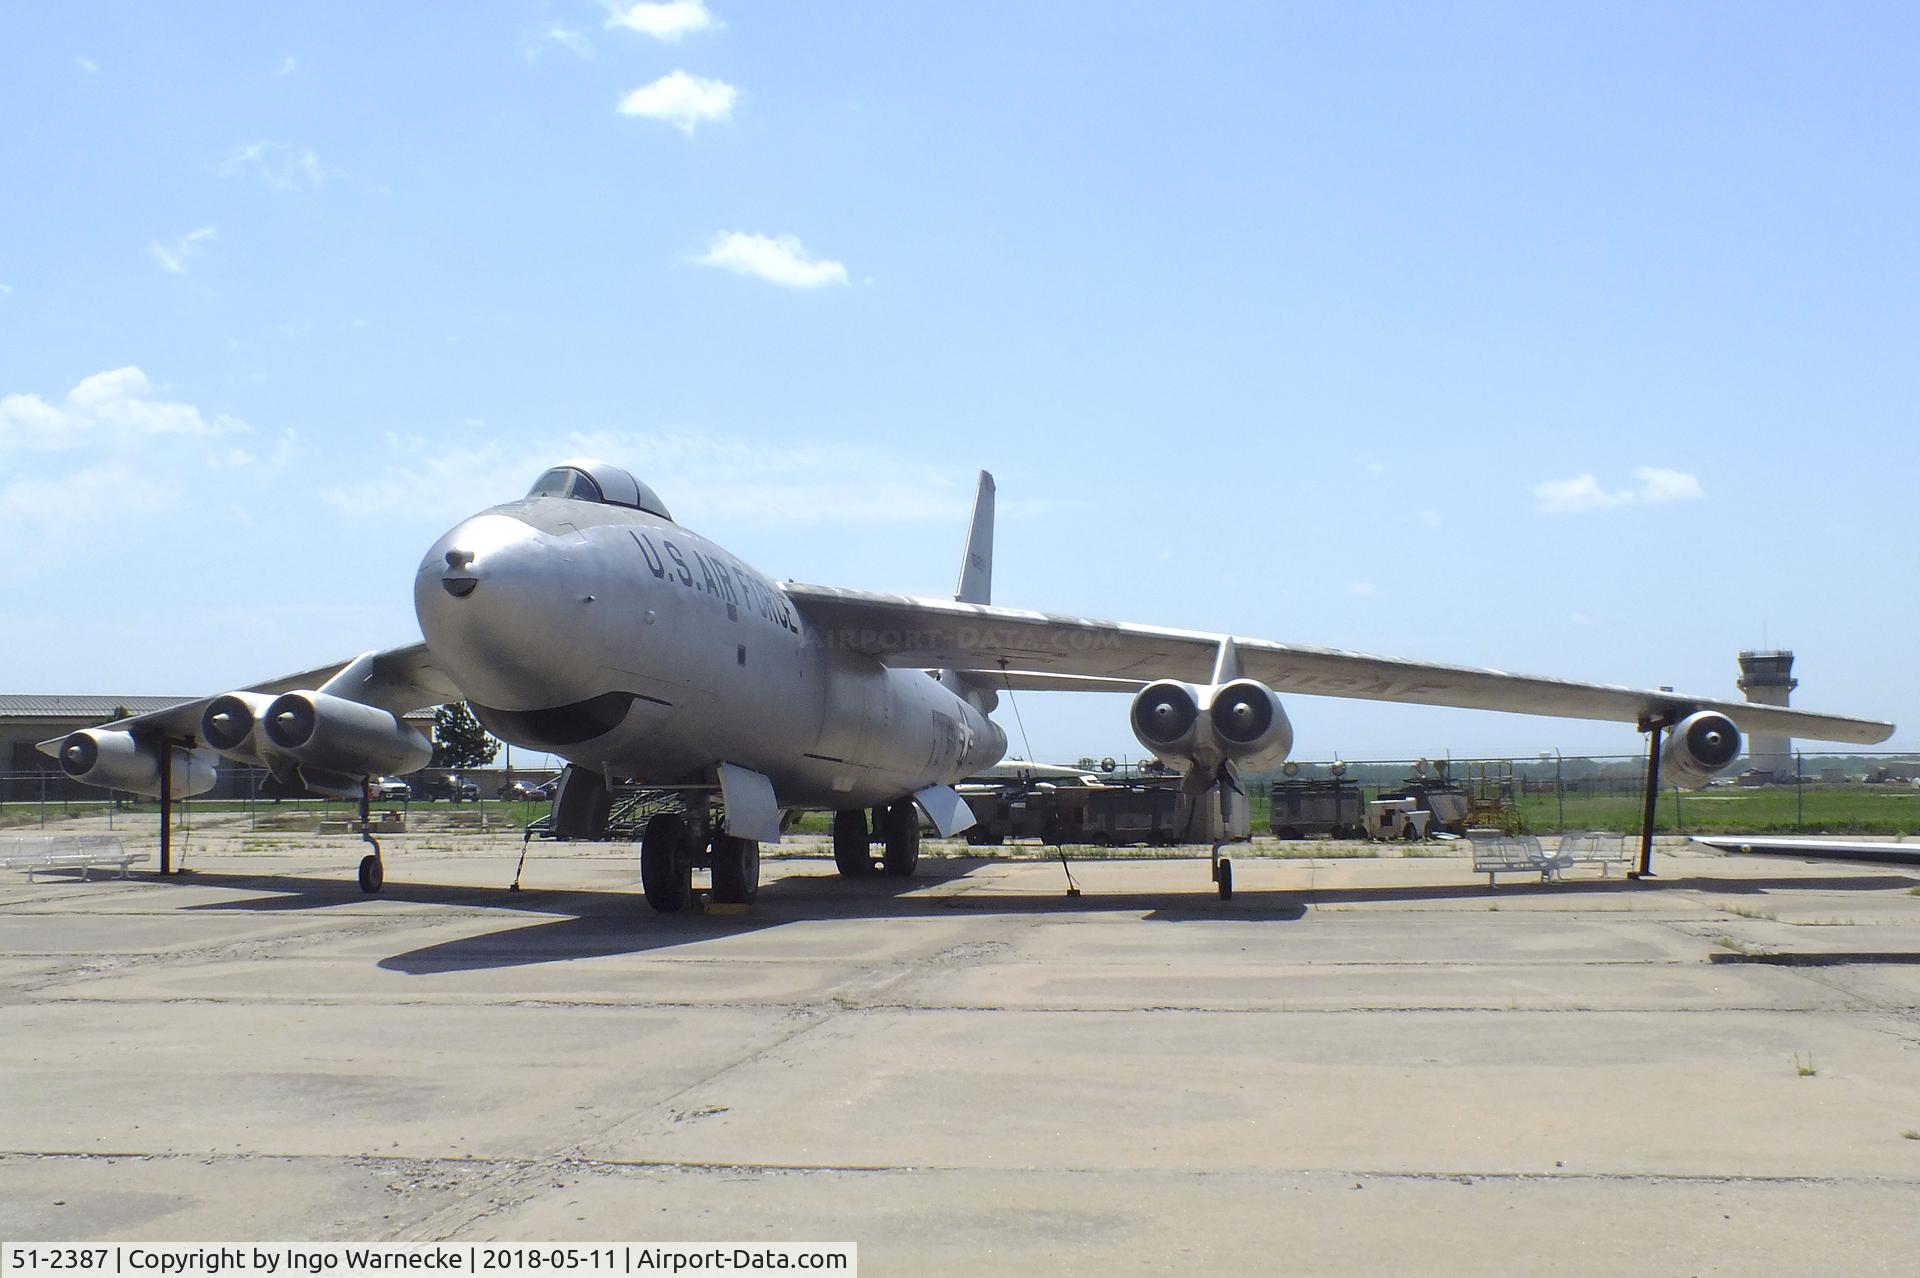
<point x="397" y="679"/>
<point x="1034" y="650"/>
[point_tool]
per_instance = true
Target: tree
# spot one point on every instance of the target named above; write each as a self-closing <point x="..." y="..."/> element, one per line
<point x="458" y="739"/>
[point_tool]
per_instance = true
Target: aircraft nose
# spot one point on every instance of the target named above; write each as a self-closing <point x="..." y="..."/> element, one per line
<point x="488" y="596"/>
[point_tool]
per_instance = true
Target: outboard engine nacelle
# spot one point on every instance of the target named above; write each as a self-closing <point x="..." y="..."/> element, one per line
<point x="1697" y="747"/>
<point x="235" y="725"/>
<point x="1251" y="726"/>
<point x="323" y="731"/>
<point x="116" y="761"/>
<point x="1166" y="719"/>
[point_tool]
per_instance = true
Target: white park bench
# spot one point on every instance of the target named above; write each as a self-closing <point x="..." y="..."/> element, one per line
<point x="1595" y="847"/>
<point x="36" y="853"/>
<point x="1495" y="853"/>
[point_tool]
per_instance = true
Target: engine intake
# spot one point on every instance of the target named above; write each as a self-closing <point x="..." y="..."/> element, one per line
<point x="233" y="724"/>
<point x="323" y="731"/>
<point x="1250" y="724"/>
<point x="1697" y="747"/>
<point x="1166" y="718"/>
<point x="117" y="761"/>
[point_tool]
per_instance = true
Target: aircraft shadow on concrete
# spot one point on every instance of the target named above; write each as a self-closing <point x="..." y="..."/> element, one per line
<point x="597" y="923"/>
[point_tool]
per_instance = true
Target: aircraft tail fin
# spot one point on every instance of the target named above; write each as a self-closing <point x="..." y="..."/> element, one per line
<point x="976" y="570"/>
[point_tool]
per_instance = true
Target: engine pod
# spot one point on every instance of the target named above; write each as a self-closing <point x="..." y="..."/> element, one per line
<point x="323" y="731"/>
<point x="234" y="725"/>
<point x="1166" y="718"/>
<point x="1700" y="745"/>
<point x="119" y="761"/>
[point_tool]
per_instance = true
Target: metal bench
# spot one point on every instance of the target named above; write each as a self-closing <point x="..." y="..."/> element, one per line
<point x="1496" y="853"/>
<point x="1594" y="847"/>
<point x="41" y="852"/>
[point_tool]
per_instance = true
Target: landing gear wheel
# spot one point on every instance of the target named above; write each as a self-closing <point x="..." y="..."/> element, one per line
<point x="736" y="869"/>
<point x="852" y="851"/>
<point x="1223" y="875"/>
<point x="903" y="840"/>
<point x="372" y="873"/>
<point x="665" y="874"/>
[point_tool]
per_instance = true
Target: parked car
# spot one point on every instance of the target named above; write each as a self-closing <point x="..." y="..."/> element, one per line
<point x="453" y="788"/>
<point x="520" y="788"/>
<point x="389" y="790"/>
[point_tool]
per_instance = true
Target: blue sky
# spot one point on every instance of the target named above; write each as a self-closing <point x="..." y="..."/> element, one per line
<point x="1577" y="340"/>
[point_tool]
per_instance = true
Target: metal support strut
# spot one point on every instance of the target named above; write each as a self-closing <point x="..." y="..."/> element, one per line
<point x="166" y="807"/>
<point x="1653" y="727"/>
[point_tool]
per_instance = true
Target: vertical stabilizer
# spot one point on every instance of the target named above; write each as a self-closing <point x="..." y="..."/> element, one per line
<point x="976" y="570"/>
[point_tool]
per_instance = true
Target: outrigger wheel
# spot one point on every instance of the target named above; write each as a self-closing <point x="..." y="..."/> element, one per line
<point x="736" y="869"/>
<point x="1223" y="875"/>
<point x="373" y="873"/>
<point x="666" y="869"/>
<point x="852" y="850"/>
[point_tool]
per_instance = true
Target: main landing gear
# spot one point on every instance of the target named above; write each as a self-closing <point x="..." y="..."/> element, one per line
<point x="674" y="844"/>
<point x="373" y="870"/>
<point x="897" y="827"/>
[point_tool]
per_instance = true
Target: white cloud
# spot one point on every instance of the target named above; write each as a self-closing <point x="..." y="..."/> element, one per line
<point x="682" y="100"/>
<point x="1431" y="518"/>
<point x="6" y="290"/>
<point x="671" y="21"/>
<point x="1585" y="492"/>
<point x="1658" y="484"/>
<point x="115" y="444"/>
<point x="88" y="65"/>
<point x="556" y="32"/>
<point x="781" y="260"/>
<point x="1362" y="589"/>
<point x="116" y="407"/>
<point x="281" y="165"/>
<point x="173" y="258"/>
<point x="288" y="65"/>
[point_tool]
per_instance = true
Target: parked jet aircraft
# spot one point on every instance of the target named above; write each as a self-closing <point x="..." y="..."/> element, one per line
<point x="584" y="621"/>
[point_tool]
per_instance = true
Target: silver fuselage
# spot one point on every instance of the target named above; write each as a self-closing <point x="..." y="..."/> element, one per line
<point x="623" y="642"/>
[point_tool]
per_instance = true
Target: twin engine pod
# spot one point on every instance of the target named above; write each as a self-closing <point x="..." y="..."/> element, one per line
<point x="1241" y="721"/>
<point x="316" y="730"/>
<point x="1697" y="747"/>
<point x="117" y="761"/>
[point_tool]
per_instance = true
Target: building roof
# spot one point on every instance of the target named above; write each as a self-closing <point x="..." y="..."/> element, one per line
<point x="72" y="706"/>
<point x="66" y="706"/>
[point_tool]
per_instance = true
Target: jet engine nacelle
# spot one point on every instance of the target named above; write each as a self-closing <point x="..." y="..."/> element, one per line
<point x="319" y="730"/>
<point x="116" y="761"/>
<point x="1249" y="723"/>
<point x="235" y="725"/>
<point x="1183" y="725"/>
<point x="1697" y="747"/>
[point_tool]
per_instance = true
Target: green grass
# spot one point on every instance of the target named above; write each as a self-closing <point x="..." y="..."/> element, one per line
<point x="1852" y="809"/>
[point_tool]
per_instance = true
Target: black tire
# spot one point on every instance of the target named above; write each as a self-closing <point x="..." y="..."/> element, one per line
<point x="1225" y="879"/>
<point x="1286" y="832"/>
<point x="665" y="872"/>
<point x="373" y="874"/>
<point x="902" y="855"/>
<point x="852" y="849"/>
<point x="736" y="869"/>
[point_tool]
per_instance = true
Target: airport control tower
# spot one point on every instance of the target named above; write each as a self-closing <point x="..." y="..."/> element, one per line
<point x="1767" y="679"/>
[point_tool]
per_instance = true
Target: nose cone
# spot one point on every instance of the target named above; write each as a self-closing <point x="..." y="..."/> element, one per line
<point x="489" y="597"/>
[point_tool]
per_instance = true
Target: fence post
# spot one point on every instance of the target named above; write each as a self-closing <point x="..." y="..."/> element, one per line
<point x="1559" y="795"/>
<point x="1799" y="793"/>
<point x="43" y="798"/>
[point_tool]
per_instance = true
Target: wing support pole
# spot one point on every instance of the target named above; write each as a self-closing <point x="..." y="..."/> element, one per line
<point x="166" y="806"/>
<point x="1653" y="725"/>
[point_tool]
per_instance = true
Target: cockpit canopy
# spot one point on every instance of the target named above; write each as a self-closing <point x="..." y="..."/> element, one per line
<point x="583" y="479"/>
